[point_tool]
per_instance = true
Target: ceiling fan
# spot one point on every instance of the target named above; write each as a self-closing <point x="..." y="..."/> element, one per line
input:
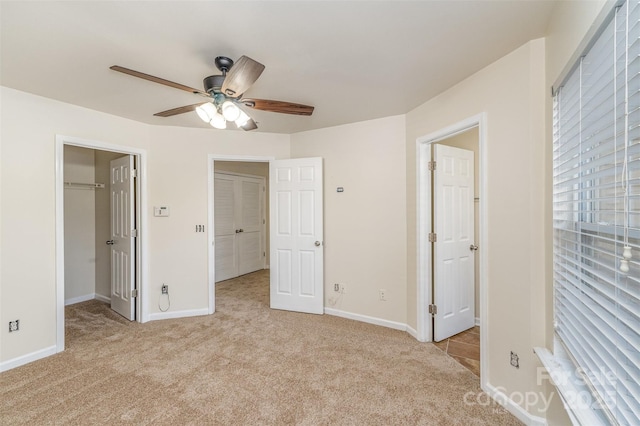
<point x="224" y="93"/>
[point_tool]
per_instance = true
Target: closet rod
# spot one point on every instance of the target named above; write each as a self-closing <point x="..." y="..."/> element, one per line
<point x="80" y="185"/>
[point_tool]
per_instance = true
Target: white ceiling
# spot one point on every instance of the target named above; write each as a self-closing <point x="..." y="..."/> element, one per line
<point x="352" y="60"/>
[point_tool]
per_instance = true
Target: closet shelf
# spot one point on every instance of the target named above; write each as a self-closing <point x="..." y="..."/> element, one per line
<point x="81" y="185"/>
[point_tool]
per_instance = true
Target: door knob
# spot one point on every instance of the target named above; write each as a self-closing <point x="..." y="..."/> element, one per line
<point x="110" y="242"/>
<point x="317" y="243"/>
<point x="473" y="247"/>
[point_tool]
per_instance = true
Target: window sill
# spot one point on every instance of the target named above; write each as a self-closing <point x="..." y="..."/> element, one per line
<point x="576" y="396"/>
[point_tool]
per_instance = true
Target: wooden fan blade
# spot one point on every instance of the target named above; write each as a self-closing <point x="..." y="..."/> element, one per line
<point x="249" y="125"/>
<point x="176" y="111"/>
<point x="278" y="106"/>
<point x="244" y="72"/>
<point x="158" y="80"/>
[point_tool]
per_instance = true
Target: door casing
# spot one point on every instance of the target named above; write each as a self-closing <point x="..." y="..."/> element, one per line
<point x="424" y="217"/>
<point x="142" y="313"/>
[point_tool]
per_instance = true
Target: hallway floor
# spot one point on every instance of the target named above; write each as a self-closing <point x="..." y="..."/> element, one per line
<point x="465" y="348"/>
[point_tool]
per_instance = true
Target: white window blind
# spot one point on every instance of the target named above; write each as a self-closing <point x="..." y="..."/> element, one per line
<point x="596" y="214"/>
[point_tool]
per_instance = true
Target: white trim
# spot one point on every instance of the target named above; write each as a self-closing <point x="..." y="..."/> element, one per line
<point x="142" y="311"/>
<point x="101" y="298"/>
<point x="365" y="318"/>
<point x="563" y="374"/>
<point x="596" y="28"/>
<point x="79" y="299"/>
<point x="477" y="322"/>
<point x="515" y="409"/>
<point x="423" y="215"/>
<point x="211" y="253"/>
<point x="412" y="332"/>
<point x="178" y="314"/>
<point x="423" y="248"/>
<point x="25" y="359"/>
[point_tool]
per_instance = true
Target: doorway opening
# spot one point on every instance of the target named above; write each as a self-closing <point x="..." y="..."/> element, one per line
<point x="295" y="232"/>
<point x="100" y="236"/>
<point x="457" y="140"/>
<point x="241" y="213"/>
<point x="223" y="263"/>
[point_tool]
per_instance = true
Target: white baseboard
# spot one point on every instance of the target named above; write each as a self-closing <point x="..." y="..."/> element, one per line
<point x="478" y="321"/>
<point x="412" y="332"/>
<point x="178" y="314"/>
<point x="523" y="415"/>
<point x="25" y="359"/>
<point x="79" y="299"/>
<point x="102" y="298"/>
<point x="367" y="319"/>
<point x="86" y="297"/>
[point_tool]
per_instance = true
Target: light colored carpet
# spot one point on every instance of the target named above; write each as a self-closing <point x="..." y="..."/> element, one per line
<point x="246" y="364"/>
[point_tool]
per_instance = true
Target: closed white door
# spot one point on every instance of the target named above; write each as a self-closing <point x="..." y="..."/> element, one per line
<point x="239" y="222"/>
<point x="122" y="237"/>
<point x="225" y="228"/>
<point x="454" y="248"/>
<point x="297" y="255"/>
<point x="251" y="253"/>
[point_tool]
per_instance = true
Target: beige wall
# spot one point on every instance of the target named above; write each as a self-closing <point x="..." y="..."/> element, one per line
<point x="177" y="177"/>
<point x="247" y="168"/>
<point x="364" y="226"/>
<point x="369" y="229"/>
<point x="510" y="92"/>
<point x="469" y="140"/>
<point x="79" y="224"/>
<point x="27" y="267"/>
<point x="178" y="169"/>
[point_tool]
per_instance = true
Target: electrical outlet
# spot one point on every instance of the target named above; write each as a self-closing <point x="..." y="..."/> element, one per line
<point x="383" y="294"/>
<point x="515" y="360"/>
<point x="336" y="287"/>
<point x="14" y="326"/>
<point x="165" y="289"/>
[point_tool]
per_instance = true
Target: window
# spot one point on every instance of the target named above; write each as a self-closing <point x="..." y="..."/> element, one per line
<point x="596" y="214"/>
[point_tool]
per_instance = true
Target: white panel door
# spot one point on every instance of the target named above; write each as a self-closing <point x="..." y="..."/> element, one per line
<point x="454" y="247"/>
<point x="297" y="254"/>
<point x="122" y="240"/>
<point x="225" y="227"/>
<point x="239" y="221"/>
<point x="250" y="250"/>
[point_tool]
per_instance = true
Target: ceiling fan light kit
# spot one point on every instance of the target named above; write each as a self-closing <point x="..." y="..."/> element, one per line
<point x="225" y="92"/>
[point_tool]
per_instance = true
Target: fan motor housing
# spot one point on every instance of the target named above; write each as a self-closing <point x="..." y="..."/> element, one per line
<point x="213" y="83"/>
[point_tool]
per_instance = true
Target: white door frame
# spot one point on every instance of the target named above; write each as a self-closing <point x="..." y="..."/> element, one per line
<point x="211" y="216"/>
<point x="424" y="217"/>
<point x="142" y="314"/>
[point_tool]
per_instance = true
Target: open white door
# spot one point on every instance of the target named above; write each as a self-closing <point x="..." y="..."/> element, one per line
<point x="122" y="237"/>
<point x="295" y="192"/>
<point x="454" y="247"/>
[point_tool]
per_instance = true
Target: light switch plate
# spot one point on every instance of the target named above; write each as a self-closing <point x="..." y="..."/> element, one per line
<point x="161" y="211"/>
